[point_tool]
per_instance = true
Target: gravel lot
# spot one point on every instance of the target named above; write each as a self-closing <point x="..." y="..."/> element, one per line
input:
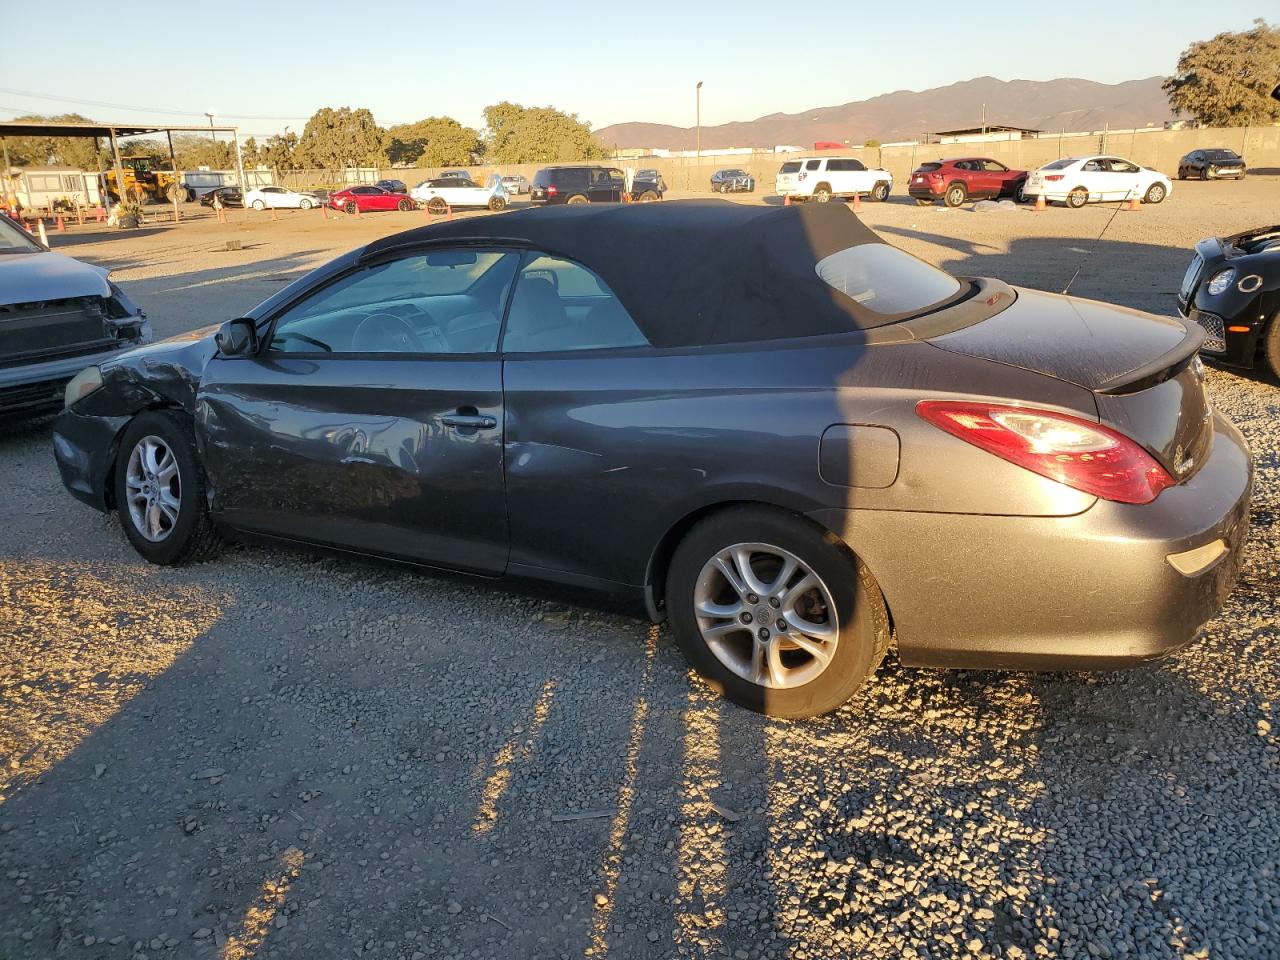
<point x="273" y="755"/>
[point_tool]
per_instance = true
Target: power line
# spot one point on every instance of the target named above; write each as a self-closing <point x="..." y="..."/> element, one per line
<point x="136" y="107"/>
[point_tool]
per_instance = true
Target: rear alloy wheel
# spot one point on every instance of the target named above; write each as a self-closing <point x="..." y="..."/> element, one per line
<point x="1155" y="193"/>
<point x="880" y="192"/>
<point x="437" y="206"/>
<point x="259" y="205"/>
<point x="822" y="193"/>
<point x="774" y="613"/>
<point x="577" y="198"/>
<point x="956" y="194"/>
<point x="404" y="206"/>
<point x="351" y="207"/>
<point x="159" y="490"/>
<point x="497" y="203"/>
<point x="647" y="197"/>
<point x="1077" y="198"/>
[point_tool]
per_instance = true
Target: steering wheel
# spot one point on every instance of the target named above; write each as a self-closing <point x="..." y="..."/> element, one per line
<point x="387" y="333"/>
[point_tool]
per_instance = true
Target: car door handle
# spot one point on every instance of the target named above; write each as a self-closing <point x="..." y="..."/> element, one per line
<point x="469" y="421"/>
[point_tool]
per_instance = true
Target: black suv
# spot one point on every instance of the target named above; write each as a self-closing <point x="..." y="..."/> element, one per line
<point x="578" y="185"/>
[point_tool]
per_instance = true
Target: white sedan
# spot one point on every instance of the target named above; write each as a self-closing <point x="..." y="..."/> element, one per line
<point x="260" y="198"/>
<point x="1080" y="180"/>
<point x="446" y="193"/>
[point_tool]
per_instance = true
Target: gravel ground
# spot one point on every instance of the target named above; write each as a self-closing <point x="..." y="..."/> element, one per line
<point x="272" y="755"/>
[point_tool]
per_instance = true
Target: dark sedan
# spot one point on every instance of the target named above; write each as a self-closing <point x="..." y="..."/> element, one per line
<point x="1232" y="289"/>
<point x="228" y="196"/>
<point x="57" y="316"/>
<point x="733" y="181"/>
<point x="1216" y="164"/>
<point x="795" y="443"/>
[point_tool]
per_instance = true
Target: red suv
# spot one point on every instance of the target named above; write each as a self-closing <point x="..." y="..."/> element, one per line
<point x="966" y="178"/>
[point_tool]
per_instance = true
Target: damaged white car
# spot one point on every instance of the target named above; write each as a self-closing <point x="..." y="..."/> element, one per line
<point x="445" y="193"/>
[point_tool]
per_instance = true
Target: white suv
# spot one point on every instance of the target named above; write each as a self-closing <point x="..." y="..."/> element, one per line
<point x="825" y="177"/>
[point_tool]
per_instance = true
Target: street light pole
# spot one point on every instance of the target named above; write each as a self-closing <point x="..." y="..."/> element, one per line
<point x="697" y="93"/>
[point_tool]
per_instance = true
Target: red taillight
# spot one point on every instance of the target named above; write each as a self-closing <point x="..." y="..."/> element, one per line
<point x="1080" y="453"/>
<point x="552" y="191"/>
<point x="1054" y="177"/>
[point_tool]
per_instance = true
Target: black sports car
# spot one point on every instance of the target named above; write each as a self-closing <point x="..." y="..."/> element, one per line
<point x="1232" y="289"/>
<point x="1217" y="164"/>
<point x="229" y="196"/>
<point x="764" y="423"/>
<point x="733" y="181"/>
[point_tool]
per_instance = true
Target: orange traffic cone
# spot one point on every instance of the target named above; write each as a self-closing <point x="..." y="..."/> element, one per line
<point x="100" y="213"/>
<point x="357" y="211"/>
<point x="448" y="211"/>
<point x="786" y="200"/>
<point x="857" y="203"/>
<point x="273" y="214"/>
<point x="59" y="225"/>
<point x="1133" y="202"/>
<point x="1040" y="204"/>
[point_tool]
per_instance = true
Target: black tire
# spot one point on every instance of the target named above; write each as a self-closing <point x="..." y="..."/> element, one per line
<point x="1271" y="346"/>
<point x="880" y="192"/>
<point x="922" y="202"/>
<point x="957" y="193"/>
<point x="822" y="193"/>
<point x="577" y="198"/>
<point x="1204" y="173"/>
<point x="1155" y="193"/>
<point x="1182" y="173"/>
<point x="305" y="204"/>
<point x="404" y="206"/>
<point x="351" y="207"/>
<point x="497" y="203"/>
<point x="258" y="205"/>
<point x="437" y="206"/>
<point x="647" y="197"/>
<point x="193" y="537"/>
<point x="861" y="643"/>
<point x="1077" y="198"/>
<point x="1020" y="195"/>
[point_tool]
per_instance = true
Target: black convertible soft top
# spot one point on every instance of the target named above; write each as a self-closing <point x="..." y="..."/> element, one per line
<point x="692" y="271"/>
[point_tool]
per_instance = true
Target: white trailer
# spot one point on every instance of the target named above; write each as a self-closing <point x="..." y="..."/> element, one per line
<point x="55" y="188"/>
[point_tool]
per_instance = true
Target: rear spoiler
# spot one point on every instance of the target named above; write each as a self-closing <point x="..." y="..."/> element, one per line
<point x="1164" y="367"/>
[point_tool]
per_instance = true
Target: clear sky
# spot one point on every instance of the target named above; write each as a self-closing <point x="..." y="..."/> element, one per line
<point x="607" y="62"/>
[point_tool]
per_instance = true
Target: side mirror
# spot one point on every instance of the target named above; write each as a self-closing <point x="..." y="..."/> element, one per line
<point x="237" y="338"/>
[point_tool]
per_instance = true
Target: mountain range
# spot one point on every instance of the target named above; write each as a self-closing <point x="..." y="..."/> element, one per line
<point x="1068" y="103"/>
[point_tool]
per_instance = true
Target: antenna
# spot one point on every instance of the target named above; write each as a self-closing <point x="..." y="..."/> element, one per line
<point x="1097" y="240"/>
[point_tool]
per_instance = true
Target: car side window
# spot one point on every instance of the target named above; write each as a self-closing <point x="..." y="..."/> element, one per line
<point x="441" y="302"/>
<point x="1123" y="166"/>
<point x="561" y="305"/>
<point x="992" y="166"/>
<point x="1095" y="166"/>
<point x="813" y="164"/>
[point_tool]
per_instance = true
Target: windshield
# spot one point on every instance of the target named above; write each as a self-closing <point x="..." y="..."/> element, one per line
<point x="13" y="239"/>
<point x="887" y="280"/>
<point x="1222" y="155"/>
<point x="791" y="167"/>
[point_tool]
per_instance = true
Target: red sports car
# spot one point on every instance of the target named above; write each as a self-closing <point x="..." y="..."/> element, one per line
<point x="365" y="199"/>
<point x="965" y="178"/>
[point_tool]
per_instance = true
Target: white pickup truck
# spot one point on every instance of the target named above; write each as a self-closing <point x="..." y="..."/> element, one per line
<point x="449" y="192"/>
<point x="825" y="177"/>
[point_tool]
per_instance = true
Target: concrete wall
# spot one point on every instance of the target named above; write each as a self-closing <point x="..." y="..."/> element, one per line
<point x="1155" y="148"/>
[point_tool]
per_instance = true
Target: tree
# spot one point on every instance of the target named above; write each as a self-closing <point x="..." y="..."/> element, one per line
<point x="519" y="134"/>
<point x="1227" y="81"/>
<point x="280" y="151"/>
<point x="343" y="137"/>
<point x="194" y="150"/>
<point x="75" y="152"/>
<point x="433" y="142"/>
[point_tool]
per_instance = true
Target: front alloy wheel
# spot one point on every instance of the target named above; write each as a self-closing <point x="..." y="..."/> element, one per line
<point x="155" y="488"/>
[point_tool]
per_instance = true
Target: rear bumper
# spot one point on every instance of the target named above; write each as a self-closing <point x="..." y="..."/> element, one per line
<point x="925" y="192"/>
<point x="1096" y="590"/>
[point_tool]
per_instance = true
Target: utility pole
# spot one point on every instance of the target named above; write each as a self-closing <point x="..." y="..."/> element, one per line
<point x="697" y="95"/>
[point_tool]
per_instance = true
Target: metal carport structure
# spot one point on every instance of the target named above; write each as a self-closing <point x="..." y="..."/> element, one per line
<point x="112" y="132"/>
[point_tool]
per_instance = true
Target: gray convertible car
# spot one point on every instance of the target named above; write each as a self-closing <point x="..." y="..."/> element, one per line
<point x="789" y="438"/>
<point x="57" y="315"/>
